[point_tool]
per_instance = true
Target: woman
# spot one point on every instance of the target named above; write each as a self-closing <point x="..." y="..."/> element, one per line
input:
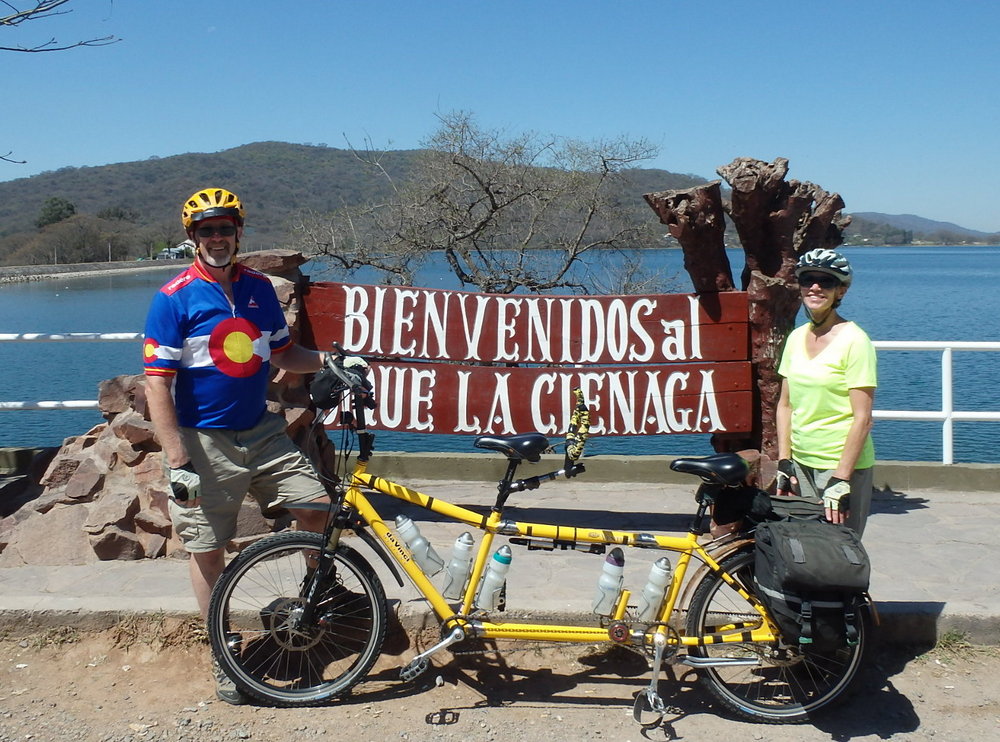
<point x="824" y="414"/>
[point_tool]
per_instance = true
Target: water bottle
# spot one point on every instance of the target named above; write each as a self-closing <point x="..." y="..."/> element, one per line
<point x="656" y="587"/>
<point x="458" y="568"/>
<point x="488" y="597"/>
<point x="422" y="550"/>
<point x="609" y="584"/>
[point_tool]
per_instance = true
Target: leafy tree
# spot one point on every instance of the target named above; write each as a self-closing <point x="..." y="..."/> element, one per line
<point x="508" y="213"/>
<point x="54" y="210"/>
<point x="81" y="238"/>
<point x="119" y="213"/>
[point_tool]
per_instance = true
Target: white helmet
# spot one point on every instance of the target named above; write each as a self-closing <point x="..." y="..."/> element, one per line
<point x="822" y="260"/>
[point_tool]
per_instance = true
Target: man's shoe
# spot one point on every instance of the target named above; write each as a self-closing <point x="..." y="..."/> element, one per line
<point x="225" y="688"/>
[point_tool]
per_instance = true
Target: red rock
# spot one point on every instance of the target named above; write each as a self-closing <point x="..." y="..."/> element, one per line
<point x="34" y="543"/>
<point x="86" y="482"/>
<point x="112" y="510"/>
<point x="115" y="543"/>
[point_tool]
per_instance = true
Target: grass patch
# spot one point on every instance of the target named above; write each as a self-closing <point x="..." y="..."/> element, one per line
<point x="57" y="636"/>
<point x="956" y="645"/>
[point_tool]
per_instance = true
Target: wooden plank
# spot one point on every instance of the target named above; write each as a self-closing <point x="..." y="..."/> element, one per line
<point x="434" y="324"/>
<point x="624" y="400"/>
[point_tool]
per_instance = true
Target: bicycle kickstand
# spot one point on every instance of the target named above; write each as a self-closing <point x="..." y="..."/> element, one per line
<point x="648" y="699"/>
<point x="419" y="664"/>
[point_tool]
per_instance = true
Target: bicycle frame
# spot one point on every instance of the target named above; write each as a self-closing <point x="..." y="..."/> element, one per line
<point x="494" y="524"/>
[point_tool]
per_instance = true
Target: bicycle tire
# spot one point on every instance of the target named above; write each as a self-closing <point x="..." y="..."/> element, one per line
<point x="259" y="593"/>
<point x="787" y="685"/>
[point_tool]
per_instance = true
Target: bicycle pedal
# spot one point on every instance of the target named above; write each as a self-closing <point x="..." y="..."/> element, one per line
<point x="414" y="670"/>
<point x="648" y="709"/>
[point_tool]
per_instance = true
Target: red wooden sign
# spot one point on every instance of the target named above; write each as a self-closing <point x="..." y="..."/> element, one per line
<point x="647" y="364"/>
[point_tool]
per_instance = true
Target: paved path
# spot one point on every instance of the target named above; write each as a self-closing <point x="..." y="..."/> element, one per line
<point x="936" y="564"/>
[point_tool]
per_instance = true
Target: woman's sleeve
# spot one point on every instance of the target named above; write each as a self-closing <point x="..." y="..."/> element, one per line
<point x="861" y="371"/>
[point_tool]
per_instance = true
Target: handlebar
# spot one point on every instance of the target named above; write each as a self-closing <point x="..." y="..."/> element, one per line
<point x="351" y="371"/>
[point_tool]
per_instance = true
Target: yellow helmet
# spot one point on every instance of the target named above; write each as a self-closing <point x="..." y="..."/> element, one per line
<point x="211" y="203"/>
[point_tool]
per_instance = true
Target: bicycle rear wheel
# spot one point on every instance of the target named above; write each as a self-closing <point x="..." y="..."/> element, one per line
<point x="785" y="684"/>
<point x="255" y="634"/>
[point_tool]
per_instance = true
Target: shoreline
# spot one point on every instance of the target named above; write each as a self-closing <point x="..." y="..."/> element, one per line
<point x="24" y="273"/>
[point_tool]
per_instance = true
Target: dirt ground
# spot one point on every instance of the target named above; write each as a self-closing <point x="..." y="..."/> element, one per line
<point x="150" y="680"/>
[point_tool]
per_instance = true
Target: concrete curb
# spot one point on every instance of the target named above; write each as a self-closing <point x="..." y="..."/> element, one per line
<point x="897" y="624"/>
<point x="477" y="467"/>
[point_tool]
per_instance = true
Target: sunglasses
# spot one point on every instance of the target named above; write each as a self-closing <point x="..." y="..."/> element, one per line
<point x="227" y="230"/>
<point x="825" y="280"/>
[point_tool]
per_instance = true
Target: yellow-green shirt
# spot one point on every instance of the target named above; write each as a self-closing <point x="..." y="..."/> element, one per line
<point x="818" y="393"/>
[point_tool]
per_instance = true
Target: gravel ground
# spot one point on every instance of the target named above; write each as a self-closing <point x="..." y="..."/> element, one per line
<point x="145" y="681"/>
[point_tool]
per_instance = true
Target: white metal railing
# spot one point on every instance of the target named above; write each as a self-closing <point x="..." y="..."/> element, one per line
<point x="85" y="337"/>
<point x="947" y="415"/>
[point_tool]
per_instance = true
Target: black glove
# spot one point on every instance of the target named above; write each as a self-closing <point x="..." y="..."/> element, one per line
<point x="186" y="484"/>
<point x="785" y="479"/>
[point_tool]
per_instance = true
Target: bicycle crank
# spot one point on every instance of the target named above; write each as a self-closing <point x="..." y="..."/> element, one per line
<point x="649" y="700"/>
<point x="419" y="664"/>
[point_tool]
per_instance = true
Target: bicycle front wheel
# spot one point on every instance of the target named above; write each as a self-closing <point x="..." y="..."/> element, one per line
<point x="765" y="682"/>
<point x="257" y="635"/>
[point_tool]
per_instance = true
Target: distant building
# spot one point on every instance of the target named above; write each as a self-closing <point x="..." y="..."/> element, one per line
<point x="183" y="250"/>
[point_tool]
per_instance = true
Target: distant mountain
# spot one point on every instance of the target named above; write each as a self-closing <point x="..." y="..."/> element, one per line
<point x="277" y="179"/>
<point x="274" y="179"/>
<point x="876" y="228"/>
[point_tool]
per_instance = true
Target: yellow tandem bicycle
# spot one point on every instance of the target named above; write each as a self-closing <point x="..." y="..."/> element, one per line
<point x="299" y="618"/>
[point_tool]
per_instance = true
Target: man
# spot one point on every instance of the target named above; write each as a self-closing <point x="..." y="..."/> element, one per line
<point x="212" y="334"/>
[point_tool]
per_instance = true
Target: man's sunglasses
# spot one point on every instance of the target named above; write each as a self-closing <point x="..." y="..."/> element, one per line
<point x="227" y="230"/>
<point x="825" y="280"/>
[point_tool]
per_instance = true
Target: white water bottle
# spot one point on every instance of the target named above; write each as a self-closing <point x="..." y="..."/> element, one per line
<point x="656" y="587"/>
<point x="609" y="584"/>
<point x="423" y="552"/>
<point x="488" y="597"/>
<point x="458" y="567"/>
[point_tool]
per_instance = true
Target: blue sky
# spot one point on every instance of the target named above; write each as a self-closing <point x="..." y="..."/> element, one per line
<point x="892" y="104"/>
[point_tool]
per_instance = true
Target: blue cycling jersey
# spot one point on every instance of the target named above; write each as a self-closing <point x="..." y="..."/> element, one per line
<point x="219" y="353"/>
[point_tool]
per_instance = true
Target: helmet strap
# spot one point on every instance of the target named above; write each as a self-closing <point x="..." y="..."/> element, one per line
<point x="818" y="323"/>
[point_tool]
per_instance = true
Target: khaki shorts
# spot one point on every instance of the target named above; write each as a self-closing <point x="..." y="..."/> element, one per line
<point x="262" y="462"/>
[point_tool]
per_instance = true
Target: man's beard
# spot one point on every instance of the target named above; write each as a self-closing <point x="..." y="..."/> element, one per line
<point x="216" y="262"/>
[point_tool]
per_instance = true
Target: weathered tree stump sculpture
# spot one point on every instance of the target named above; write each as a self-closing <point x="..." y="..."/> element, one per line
<point x="777" y="221"/>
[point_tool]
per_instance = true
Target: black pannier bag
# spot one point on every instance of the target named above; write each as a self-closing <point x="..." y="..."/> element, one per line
<point x="813" y="578"/>
<point x="752" y="506"/>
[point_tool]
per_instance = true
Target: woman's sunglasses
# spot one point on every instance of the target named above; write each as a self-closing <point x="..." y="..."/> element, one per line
<point x="825" y="280"/>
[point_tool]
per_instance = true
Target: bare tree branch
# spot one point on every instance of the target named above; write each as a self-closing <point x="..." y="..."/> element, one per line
<point x="507" y="213"/>
<point x="44" y="9"/>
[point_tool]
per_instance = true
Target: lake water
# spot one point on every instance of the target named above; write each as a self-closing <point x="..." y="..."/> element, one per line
<point x="902" y="293"/>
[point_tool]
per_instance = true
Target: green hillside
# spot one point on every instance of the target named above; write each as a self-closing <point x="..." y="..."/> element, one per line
<point x="133" y="207"/>
<point x="274" y="179"/>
